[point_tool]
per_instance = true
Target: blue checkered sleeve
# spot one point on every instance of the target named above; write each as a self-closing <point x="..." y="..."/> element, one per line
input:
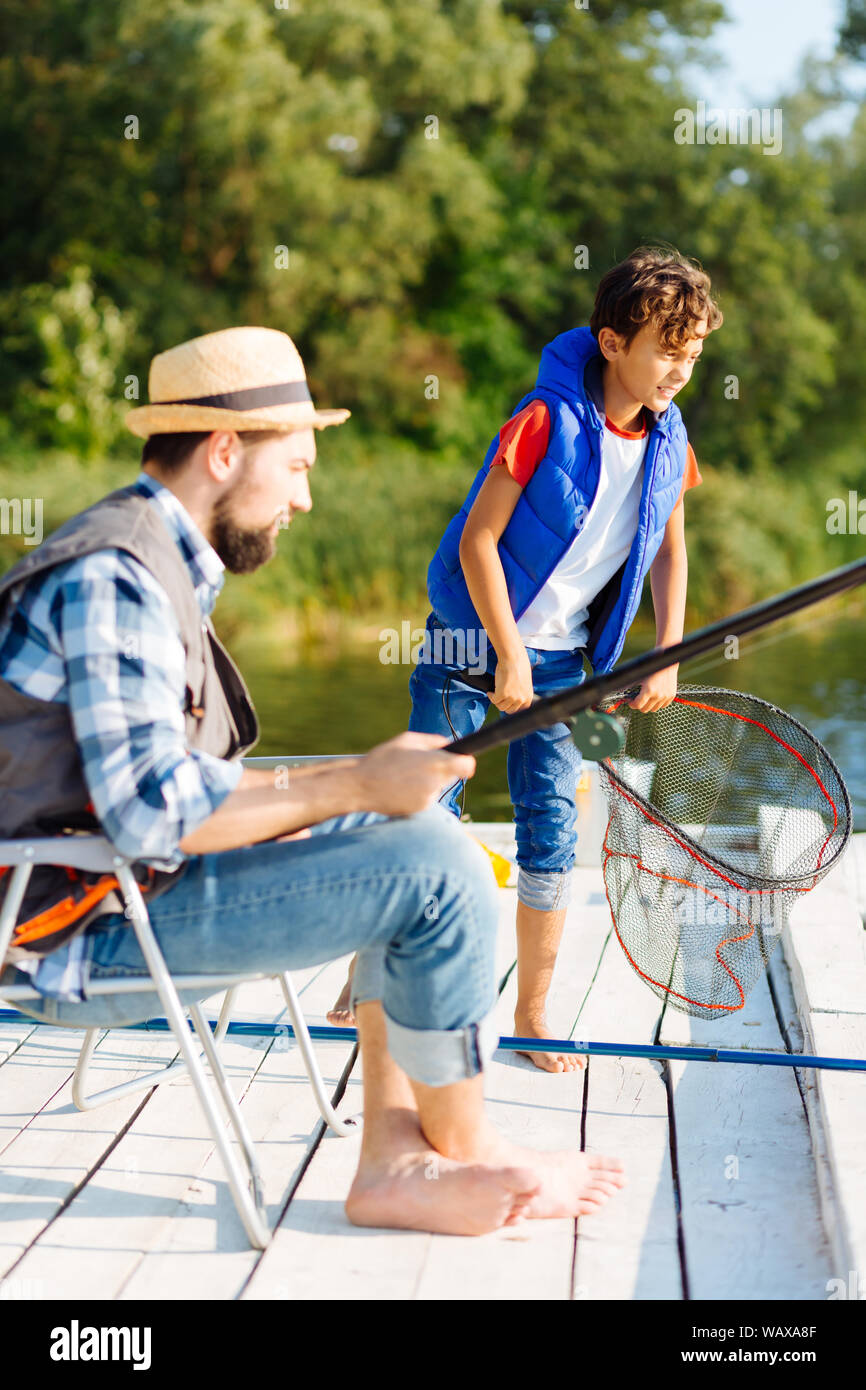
<point x="126" y="684"/>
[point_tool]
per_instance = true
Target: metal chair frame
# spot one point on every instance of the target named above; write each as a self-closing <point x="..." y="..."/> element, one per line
<point x="95" y="854"/>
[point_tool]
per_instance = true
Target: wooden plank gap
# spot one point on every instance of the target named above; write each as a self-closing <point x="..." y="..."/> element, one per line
<point x="572" y="1281"/>
<point x="9" y="1037"/>
<point x="318" y="1135"/>
<point x="44" y="1106"/>
<point x="598" y="965"/>
<point x="81" y="1184"/>
<point x="675" y="1180"/>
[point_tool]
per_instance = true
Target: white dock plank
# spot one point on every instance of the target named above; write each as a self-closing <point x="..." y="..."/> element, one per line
<point x="283" y="1118"/>
<point x="749" y="1195"/>
<point x="316" y="1252"/>
<point x="534" y="1109"/>
<point x="588" y="986"/>
<point x="629" y="1250"/>
<point x="539" y="1111"/>
<point x="842" y="1097"/>
<point x="826" y="948"/>
<point x="49" y="1146"/>
<point x="12" y="1035"/>
<point x="155" y="1220"/>
<point x="128" y="1206"/>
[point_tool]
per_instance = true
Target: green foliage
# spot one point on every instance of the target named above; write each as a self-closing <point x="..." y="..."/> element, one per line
<point x="852" y="36"/>
<point x="402" y="185"/>
<point x="75" y="342"/>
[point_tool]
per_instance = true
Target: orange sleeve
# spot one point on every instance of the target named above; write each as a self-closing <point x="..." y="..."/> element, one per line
<point x="692" y="475"/>
<point x="523" y="441"/>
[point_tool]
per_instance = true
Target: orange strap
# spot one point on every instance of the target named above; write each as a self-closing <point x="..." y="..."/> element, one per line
<point x="62" y="914"/>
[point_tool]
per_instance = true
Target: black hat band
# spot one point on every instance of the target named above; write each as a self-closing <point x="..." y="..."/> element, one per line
<point x="287" y="393"/>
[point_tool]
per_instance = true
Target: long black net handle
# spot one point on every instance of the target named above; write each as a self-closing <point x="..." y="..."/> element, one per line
<point x="555" y="708"/>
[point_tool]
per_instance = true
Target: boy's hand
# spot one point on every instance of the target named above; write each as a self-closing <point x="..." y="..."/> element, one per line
<point x="513" y="690"/>
<point x="407" y="773"/>
<point x="656" y="692"/>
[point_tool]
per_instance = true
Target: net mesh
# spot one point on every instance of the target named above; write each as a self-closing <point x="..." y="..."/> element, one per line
<point x="722" y="811"/>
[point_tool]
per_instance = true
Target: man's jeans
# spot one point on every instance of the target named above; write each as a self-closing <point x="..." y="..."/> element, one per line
<point x="543" y="767"/>
<point x="415" y="896"/>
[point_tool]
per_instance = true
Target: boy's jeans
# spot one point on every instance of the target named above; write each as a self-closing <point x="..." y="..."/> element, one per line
<point x="543" y="768"/>
<point x="414" y="896"/>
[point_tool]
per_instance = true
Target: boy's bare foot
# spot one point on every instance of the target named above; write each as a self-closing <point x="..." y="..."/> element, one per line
<point x="422" y="1191"/>
<point x="525" y="1027"/>
<point x="341" y="1016"/>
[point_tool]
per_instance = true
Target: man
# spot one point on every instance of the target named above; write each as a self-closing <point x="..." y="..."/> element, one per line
<point x="115" y="684"/>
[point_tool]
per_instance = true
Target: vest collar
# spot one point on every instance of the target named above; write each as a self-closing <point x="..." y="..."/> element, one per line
<point x="206" y="569"/>
<point x="571" y="368"/>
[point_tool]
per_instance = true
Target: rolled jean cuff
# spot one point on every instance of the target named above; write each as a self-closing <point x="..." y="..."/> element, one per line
<point x="440" y="1057"/>
<point x="546" y="892"/>
<point x="433" y="1056"/>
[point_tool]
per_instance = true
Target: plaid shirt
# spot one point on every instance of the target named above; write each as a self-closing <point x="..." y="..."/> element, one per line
<point x="100" y="634"/>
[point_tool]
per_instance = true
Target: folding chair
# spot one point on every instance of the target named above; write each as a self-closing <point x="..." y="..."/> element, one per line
<point x="96" y="854"/>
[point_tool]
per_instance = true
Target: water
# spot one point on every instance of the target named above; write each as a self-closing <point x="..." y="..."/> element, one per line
<point x="346" y="701"/>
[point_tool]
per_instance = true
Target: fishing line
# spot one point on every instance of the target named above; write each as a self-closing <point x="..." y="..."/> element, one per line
<point x="445" y="709"/>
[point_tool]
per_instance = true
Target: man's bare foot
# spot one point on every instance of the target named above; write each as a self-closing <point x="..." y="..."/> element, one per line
<point x="341" y="1016"/>
<point x="574" y="1184"/>
<point x="525" y="1027"/>
<point x="422" y="1191"/>
<point x="571" y="1183"/>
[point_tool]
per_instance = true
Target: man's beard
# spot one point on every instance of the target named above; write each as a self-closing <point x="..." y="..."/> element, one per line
<point x="240" y="550"/>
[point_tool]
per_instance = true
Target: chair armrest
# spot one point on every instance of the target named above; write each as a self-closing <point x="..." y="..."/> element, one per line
<point x="296" y="760"/>
<point x="97" y="854"/>
<point x="91" y="852"/>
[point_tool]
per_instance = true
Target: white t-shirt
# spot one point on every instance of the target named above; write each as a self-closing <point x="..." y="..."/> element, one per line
<point x="556" y="620"/>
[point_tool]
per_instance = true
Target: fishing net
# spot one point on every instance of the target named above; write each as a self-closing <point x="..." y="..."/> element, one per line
<point x="722" y="811"/>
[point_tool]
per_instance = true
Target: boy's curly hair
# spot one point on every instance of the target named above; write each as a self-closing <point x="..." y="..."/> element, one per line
<point x="656" y="286"/>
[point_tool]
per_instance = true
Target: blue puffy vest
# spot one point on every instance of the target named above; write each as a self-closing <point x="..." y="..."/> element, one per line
<point x="553" y="506"/>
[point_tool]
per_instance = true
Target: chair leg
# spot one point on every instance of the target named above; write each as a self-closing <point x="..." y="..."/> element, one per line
<point x="82" y="1101"/>
<point x="11" y="906"/>
<point x="254" y="1225"/>
<point x="343" y="1128"/>
<point x="225" y="1014"/>
<point x="233" y="1110"/>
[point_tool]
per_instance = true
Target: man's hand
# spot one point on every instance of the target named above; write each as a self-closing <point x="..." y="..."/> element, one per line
<point x="656" y="692"/>
<point x="407" y="773"/>
<point x="513" y="690"/>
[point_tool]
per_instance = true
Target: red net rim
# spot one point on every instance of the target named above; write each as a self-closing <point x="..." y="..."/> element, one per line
<point x="841" y="811"/>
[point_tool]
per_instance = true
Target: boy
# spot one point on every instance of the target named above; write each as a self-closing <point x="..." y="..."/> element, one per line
<point x="579" y="497"/>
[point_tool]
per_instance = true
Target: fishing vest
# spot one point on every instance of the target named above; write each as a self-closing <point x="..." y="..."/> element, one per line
<point x="42" y="785"/>
<point x="553" y="507"/>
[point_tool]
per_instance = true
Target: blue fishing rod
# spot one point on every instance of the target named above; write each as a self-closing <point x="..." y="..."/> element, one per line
<point x="685" y="1053"/>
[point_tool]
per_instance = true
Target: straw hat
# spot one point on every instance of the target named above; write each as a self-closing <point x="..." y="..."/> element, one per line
<point x="237" y="379"/>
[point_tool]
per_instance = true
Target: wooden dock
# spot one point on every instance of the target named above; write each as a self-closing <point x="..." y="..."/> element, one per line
<point x="744" y="1182"/>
